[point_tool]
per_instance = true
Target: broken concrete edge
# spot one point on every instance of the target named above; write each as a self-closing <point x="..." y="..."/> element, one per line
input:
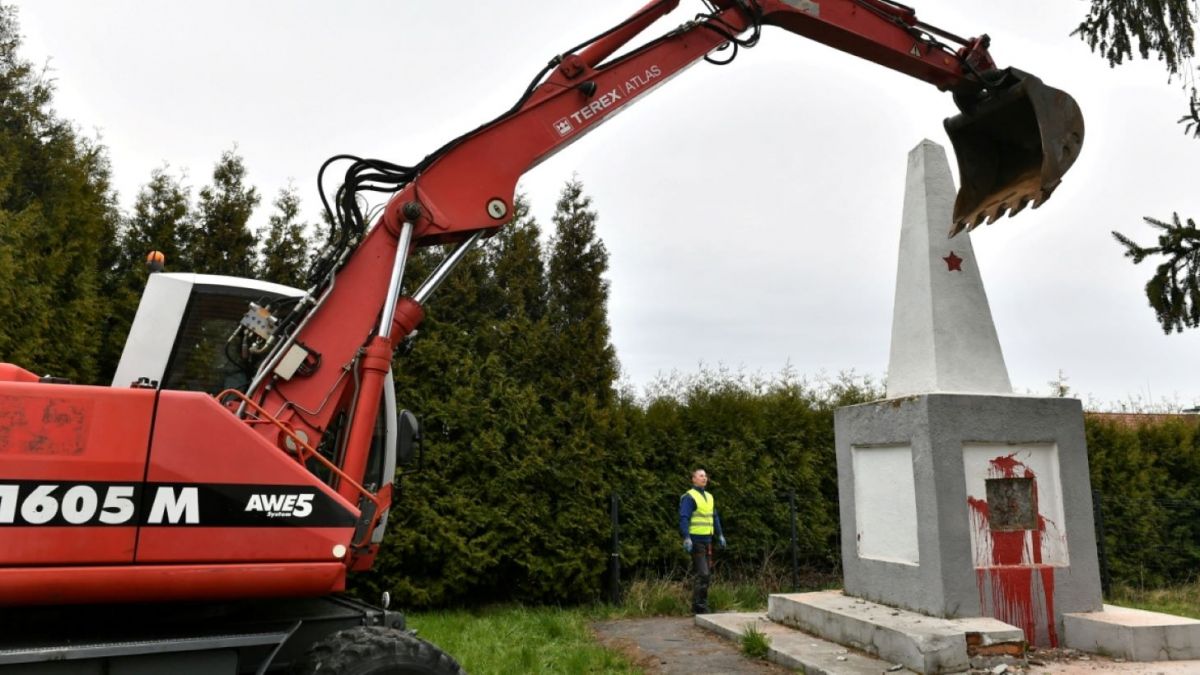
<point x="920" y="642"/>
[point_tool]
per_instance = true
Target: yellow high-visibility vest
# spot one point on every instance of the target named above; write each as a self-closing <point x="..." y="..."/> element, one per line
<point x="702" y="517"/>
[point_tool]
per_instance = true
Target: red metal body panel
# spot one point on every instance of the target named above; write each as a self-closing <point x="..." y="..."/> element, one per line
<point x="235" y="544"/>
<point x="196" y="440"/>
<point x="51" y="433"/>
<point x="848" y="26"/>
<point x="11" y="373"/>
<point x="73" y="432"/>
<point x="147" y="583"/>
<point x="80" y="482"/>
<point x="66" y="545"/>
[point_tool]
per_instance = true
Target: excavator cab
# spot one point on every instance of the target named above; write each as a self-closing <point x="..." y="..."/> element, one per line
<point x="1014" y="141"/>
<point x="178" y="336"/>
<point x="179" y="340"/>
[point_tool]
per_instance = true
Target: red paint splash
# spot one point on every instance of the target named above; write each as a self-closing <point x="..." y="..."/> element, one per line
<point x="1009" y="587"/>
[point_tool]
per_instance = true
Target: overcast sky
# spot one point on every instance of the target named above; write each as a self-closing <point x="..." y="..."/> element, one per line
<point x="751" y="212"/>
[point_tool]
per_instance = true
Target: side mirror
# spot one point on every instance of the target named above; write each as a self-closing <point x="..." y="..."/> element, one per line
<point x="408" y="443"/>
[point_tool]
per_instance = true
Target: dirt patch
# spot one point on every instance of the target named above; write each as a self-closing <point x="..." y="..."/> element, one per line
<point x="675" y="646"/>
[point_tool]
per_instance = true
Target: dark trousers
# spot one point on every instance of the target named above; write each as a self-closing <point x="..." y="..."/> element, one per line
<point x="701" y="569"/>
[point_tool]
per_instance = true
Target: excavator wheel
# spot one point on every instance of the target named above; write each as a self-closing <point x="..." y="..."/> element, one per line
<point x="374" y="650"/>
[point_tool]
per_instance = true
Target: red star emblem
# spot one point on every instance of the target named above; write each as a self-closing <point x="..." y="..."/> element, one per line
<point x="953" y="262"/>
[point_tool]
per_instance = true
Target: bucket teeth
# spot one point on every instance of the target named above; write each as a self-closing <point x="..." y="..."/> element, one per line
<point x="997" y="213"/>
<point x="1013" y="146"/>
<point x="992" y="213"/>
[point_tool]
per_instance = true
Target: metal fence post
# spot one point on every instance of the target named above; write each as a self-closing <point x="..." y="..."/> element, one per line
<point x="795" y="543"/>
<point x="614" y="579"/>
<point x="1098" y="512"/>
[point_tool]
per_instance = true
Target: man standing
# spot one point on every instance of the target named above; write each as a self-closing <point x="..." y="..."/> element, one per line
<point x="698" y="521"/>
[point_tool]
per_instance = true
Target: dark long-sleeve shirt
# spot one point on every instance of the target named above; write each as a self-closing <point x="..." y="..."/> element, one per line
<point x="687" y="506"/>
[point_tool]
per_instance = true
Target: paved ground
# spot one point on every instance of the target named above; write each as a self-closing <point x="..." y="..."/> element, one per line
<point x="675" y="646"/>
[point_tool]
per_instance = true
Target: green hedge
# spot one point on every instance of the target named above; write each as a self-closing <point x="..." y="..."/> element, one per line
<point x="511" y="506"/>
<point x="1146" y="469"/>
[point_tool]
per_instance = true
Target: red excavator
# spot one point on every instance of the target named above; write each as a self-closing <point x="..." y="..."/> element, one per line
<point x="201" y="514"/>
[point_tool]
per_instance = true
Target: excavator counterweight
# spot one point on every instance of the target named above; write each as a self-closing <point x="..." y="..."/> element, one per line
<point x="1013" y="142"/>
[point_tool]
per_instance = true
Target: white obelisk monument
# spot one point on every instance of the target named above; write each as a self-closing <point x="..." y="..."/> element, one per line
<point x="959" y="499"/>
<point x="943" y="338"/>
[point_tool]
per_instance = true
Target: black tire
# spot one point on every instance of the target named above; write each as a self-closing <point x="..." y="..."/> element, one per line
<point x="375" y="650"/>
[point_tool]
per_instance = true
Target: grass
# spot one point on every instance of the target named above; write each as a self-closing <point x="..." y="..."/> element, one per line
<point x="755" y="644"/>
<point x="659" y="597"/>
<point x="515" y="639"/>
<point x="504" y="640"/>
<point x="1183" y="600"/>
<point x="673" y="597"/>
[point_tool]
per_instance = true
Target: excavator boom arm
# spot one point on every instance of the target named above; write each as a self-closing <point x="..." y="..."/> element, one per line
<point x="470" y="185"/>
<point x="466" y="188"/>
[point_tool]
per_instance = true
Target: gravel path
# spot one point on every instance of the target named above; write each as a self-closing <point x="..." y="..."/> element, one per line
<point x="675" y="646"/>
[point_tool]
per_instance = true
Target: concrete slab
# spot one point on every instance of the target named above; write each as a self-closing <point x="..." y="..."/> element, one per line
<point x="922" y="643"/>
<point x="794" y="649"/>
<point x="1133" y="634"/>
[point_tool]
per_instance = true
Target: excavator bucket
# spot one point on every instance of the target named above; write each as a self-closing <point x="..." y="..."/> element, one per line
<point x="1013" y="144"/>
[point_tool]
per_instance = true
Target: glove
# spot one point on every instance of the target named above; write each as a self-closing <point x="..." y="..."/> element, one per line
<point x="687" y="544"/>
<point x="721" y="541"/>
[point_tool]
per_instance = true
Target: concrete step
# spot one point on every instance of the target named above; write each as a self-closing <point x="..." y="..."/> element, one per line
<point x="922" y="643"/>
<point x="791" y="648"/>
<point x="1133" y="634"/>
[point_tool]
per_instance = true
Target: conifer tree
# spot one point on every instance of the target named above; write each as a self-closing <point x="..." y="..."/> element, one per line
<point x="24" y="319"/>
<point x="577" y="389"/>
<point x="515" y="259"/>
<point x="220" y="240"/>
<point x="435" y="550"/>
<point x="577" y="300"/>
<point x="285" y="249"/>
<point x="161" y="214"/>
<point x="517" y="296"/>
<point x="500" y="512"/>
<point x="1174" y="290"/>
<point x="1164" y="28"/>
<point x="56" y="217"/>
<point x="161" y="218"/>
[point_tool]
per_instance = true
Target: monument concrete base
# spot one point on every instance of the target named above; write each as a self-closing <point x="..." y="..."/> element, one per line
<point x="964" y="505"/>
